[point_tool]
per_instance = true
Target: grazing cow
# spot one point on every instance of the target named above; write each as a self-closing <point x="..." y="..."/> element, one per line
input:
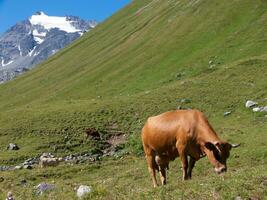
<point x="182" y="133"/>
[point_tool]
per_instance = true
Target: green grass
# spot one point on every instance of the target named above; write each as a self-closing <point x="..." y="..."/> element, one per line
<point x="141" y="62"/>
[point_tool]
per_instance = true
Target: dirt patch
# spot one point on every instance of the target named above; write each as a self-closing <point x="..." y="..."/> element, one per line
<point x="92" y="134"/>
<point x="116" y="140"/>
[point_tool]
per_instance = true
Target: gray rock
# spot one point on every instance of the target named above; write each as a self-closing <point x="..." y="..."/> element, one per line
<point x="27" y="167"/>
<point x="10" y="196"/>
<point x="185" y="101"/>
<point x="179" y="107"/>
<point x="83" y="190"/>
<point x="18" y="167"/>
<point x="47" y="155"/>
<point x="21" y="50"/>
<point x="227" y="113"/>
<point x="44" y="187"/>
<point x="250" y="104"/>
<point x="260" y="109"/>
<point x="264" y="109"/>
<point x="256" y="109"/>
<point x="31" y="161"/>
<point x="13" y="146"/>
<point x="238" y="198"/>
<point x="5" y="168"/>
<point x="23" y="183"/>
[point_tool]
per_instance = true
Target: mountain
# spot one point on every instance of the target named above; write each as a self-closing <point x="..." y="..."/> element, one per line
<point x="150" y="57"/>
<point x="32" y="41"/>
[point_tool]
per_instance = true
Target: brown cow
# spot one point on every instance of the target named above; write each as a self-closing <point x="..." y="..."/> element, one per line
<point x="182" y="133"/>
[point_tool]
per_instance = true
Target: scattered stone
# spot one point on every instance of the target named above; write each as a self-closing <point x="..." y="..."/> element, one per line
<point x="43" y="187"/>
<point x="10" y="196"/>
<point x="31" y="161"/>
<point x="18" y="167"/>
<point x="23" y="182"/>
<point x="182" y="83"/>
<point x="5" y="168"/>
<point x="210" y="62"/>
<point x="185" y="101"/>
<point x="238" y="198"/>
<point x="12" y="146"/>
<point x="83" y="190"/>
<point x="256" y="109"/>
<point x="147" y="92"/>
<point x="27" y="167"/>
<point x="260" y="109"/>
<point x="179" y="107"/>
<point x="47" y="155"/>
<point x="212" y="66"/>
<point x="178" y="75"/>
<point x="264" y="109"/>
<point x="250" y="104"/>
<point x="1" y="179"/>
<point x="227" y="113"/>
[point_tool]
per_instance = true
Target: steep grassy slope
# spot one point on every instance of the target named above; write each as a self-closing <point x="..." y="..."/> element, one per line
<point x="141" y="62"/>
<point x="144" y="46"/>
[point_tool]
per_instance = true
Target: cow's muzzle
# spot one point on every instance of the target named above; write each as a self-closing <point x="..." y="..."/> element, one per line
<point x="220" y="170"/>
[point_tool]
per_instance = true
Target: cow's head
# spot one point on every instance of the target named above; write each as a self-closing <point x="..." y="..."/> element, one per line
<point x="217" y="153"/>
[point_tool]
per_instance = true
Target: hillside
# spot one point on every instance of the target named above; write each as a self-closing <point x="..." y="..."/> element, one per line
<point x="144" y="60"/>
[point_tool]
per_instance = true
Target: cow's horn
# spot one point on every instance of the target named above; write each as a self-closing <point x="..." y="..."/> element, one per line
<point x="235" y="145"/>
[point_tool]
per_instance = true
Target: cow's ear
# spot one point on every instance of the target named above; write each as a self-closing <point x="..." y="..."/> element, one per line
<point x="209" y="146"/>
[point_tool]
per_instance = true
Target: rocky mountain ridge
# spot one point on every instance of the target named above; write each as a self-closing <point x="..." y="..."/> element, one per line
<point x="33" y="40"/>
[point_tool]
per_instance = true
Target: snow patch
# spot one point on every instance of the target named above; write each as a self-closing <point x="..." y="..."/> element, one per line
<point x="3" y="62"/>
<point x="38" y="36"/>
<point x="93" y="24"/>
<point x="36" y="53"/>
<point x="30" y="53"/>
<point x="49" y="22"/>
<point x="54" y="51"/>
<point x="20" y="53"/>
<point x="38" y="40"/>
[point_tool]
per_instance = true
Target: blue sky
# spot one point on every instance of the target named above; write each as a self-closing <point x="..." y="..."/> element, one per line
<point x="12" y="11"/>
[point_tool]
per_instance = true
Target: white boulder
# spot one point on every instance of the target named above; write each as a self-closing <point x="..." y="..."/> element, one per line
<point x="250" y="104"/>
<point x="256" y="109"/>
<point x="83" y="190"/>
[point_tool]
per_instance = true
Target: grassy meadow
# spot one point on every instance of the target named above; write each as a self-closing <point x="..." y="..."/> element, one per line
<point x="144" y="60"/>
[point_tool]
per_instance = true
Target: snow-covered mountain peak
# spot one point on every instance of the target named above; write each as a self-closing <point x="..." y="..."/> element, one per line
<point x="49" y="22"/>
<point x="33" y="40"/>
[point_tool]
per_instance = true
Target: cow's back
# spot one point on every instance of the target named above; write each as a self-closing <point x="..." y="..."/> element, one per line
<point x="161" y="132"/>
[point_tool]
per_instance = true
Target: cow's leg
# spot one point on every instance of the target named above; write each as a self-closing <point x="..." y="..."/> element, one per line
<point x="192" y="162"/>
<point x="183" y="157"/>
<point x="162" y="172"/>
<point x="184" y="166"/>
<point x="152" y="169"/>
<point x="150" y="158"/>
